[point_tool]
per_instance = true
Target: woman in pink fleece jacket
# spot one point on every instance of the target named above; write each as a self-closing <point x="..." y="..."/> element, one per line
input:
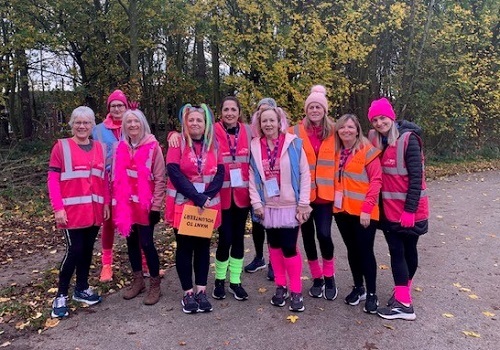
<point x="279" y="193"/>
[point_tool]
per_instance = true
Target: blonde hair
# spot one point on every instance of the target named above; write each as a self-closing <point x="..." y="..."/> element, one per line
<point x="361" y="140"/>
<point x="280" y="113"/>
<point x="392" y="136"/>
<point x="327" y="126"/>
<point x="184" y="112"/>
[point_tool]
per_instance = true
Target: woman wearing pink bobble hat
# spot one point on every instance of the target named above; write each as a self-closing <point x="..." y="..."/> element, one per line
<point x="317" y="132"/>
<point x="405" y="206"/>
<point x="109" y="132"/>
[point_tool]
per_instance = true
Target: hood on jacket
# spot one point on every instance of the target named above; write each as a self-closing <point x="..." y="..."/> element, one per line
<point x="404" y="126"/>
<point x="148" y="138"/>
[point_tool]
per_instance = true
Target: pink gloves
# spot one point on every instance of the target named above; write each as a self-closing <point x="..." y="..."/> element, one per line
<point x="407" y="219"/>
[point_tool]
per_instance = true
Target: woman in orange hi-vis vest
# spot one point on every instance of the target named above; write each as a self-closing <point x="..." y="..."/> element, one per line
<point x="316" y="131"/>
<point x="358" y="178"/>
<point x="79" y="196"/>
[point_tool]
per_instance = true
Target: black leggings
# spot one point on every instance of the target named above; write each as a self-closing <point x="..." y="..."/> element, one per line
<point x="79" y="248"/>
<point x="359" y="242"/>
<point x="141" y="237"/>
<point x="284" y="239"/>
<point x="258" y="237"/>
<point x="192" y="252"/>
<point x="404" y="256"/>
<point x="232" y="233"/>
<point x="320" y="222"/>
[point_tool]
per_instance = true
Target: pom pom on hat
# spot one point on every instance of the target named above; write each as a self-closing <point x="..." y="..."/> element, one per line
<point x="117" y="95"/>
<point x="381" y="107"/>
<point x="318" y="95"/>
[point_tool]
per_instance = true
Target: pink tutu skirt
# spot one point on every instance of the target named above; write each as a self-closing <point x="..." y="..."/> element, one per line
<point x="280" y="217"/>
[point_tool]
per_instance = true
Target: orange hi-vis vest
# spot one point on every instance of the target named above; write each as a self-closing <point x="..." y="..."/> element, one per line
<point x="83" y="184"/>
<point x="322" y="166"/>
<point x="241" y="160"/>
<point x="395" y="180"/>
<point x="175" y="201"/>
<point x="353" y="181"/>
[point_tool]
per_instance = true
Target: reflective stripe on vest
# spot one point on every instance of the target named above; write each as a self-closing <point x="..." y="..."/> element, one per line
<point x="227" y="184"/>
<point x="400" y="195"/>
<point x="70" y="174"/>
<point x="237" y="159"/>
<point x="83" y="200"/>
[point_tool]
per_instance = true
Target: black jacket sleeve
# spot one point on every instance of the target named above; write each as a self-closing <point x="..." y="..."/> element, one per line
<point x="216" y="184"/>
<point x="413" y="161"/>
<point x="184" y="186"/>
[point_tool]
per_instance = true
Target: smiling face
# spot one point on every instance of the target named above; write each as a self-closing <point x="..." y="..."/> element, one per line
<point x="196" y="125"/>
<point x="315" y="112"/>
<point x="230" y="113"/>
<point x="117" y="109"/>
<point x="133" y="128"/>
<point x="269" y="124"/>
<point x="81" y="128"/>
<point x="382" y="124"/>
<point x="348" y="133"/>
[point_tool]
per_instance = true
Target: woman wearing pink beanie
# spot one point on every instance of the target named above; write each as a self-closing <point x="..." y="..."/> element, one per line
<point x="405" y="207"/>
<point x="317" y="132"/>
<point x="109" y="132"/>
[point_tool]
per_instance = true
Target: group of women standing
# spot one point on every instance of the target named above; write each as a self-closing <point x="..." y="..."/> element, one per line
<point x="293" y="179"/>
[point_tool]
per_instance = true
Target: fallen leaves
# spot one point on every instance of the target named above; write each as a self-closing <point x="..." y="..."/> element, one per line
<point x="488" y="314"/>
<point x="471" y="334"/>
<point x="292" y="318"/>
<point x="383" y="267"/>
<point x="51" y="322"/>
<point x="262" y="290"/>
<point x="388" y="326"/>
<point x="448" y="315"/>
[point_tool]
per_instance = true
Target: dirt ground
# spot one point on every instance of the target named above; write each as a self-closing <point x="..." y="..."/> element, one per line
<point x="455" y="296"/>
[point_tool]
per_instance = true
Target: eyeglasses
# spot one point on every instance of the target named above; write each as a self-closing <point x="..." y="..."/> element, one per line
<point x="118" y="106"/>
<point x="81" y="123"/>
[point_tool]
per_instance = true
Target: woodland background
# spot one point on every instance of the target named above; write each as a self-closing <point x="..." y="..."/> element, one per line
<point x="436" y="59"/>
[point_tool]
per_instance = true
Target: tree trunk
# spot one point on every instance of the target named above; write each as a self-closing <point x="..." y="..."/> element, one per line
<point x="26" y="112"/>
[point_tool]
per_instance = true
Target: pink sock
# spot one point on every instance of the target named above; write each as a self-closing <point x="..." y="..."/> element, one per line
<point x="402" y="294"/>
<point x="409" y="284"/>
<point x="329" y="267"/>
<point x="107" y="256"/>
<point x="293" y="267"/>
<point x="278" y="262"/>
<point x="315" y="269"/>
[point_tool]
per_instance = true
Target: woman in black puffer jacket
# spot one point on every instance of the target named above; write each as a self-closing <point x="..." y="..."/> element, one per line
<point x="404" y="206"/>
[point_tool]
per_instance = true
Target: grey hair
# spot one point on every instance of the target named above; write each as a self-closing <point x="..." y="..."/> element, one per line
<point x="145" y="129"/>
<point x="82" y="111"/>
<point x="271" y="102"/>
